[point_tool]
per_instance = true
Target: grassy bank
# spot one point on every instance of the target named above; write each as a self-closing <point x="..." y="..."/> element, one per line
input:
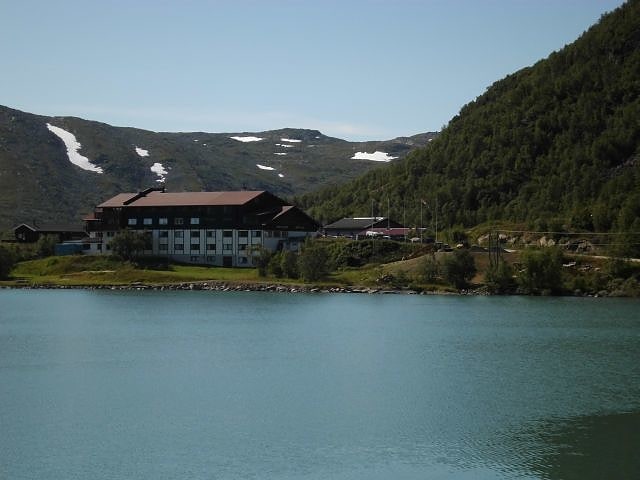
<point x="87" y="270"/>
<point x="83" y="271"/>
<point x="575" y="275"/>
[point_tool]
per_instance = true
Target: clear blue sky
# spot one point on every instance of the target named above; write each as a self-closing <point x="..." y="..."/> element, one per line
<point x="354" y="69"/>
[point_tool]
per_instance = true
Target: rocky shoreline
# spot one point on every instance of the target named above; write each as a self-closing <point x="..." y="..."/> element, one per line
<point x="220" y="286"/>
<point x="237" y="287"/>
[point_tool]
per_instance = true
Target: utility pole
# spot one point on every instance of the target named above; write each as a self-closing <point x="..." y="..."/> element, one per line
<point x="494" y="249"/>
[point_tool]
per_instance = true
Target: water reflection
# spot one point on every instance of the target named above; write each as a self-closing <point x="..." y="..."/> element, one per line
<point x="588" y="447"/>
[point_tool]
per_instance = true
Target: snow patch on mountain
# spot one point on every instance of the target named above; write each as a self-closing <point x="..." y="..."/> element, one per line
<point x="142" y="152"/>
<point x="247" y="139"/>
<point x="376" y="156"/>
<point x="263" y="167"/>
<point x="160" y="171"/>
<point x="73" y="146"/>
<point x="290" y="140"/>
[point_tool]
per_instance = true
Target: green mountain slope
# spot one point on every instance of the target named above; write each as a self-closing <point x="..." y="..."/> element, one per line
<point x="38" y="181"/>
<point x="555" y="142"/>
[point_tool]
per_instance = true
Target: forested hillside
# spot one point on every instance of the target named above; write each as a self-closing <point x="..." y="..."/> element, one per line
<point x="553" y="143"/>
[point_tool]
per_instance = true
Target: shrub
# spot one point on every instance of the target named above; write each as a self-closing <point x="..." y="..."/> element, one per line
<point x="289" y="264"/>
<point x="500" y="279"/>
<point x="313" y="261"/>
<point x="45" y="246"/>
<point x="430" y="269"/>
<point x="275" y="265"/>
<point x="262" y="260"/>
<point x="542" y="271"/>
<point x="127" y="244"/>
<point x="459" y="268"/>
<point x="619" y="268"/>
<point x="7" y="260"/>
<point x="359" y="252"/>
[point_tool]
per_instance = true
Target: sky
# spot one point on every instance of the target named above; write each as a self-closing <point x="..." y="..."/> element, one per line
<point x="353" y="69"/>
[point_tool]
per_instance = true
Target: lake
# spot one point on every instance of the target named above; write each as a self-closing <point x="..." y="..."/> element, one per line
<point x="208" y="385"/>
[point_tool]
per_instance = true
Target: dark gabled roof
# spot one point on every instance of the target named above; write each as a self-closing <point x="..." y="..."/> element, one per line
<point x="358" y="223"/>
<point x="181" y="199"/>
<point x="52" y="227"/>
<point x="290" y="213"/>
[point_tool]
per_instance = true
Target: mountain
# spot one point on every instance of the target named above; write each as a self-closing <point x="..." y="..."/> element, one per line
<point x="555" y="144"/>
<point x="38" y="180"/>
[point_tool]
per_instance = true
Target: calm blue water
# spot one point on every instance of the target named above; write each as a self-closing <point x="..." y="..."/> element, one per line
<point x="204" y="385"/>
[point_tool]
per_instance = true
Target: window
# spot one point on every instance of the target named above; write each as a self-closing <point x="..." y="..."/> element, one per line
<point x="194" y="258"/>
<point x="195" y="220"/>
<point x="256" y="234"/>
<point x="211" y="246"/>
<point x="147" y="221"/>
<point x="242" y="260"/>
<point x="163" y="246"/>
<point x="178" y="246"/>
<point x="163" y="221"/>
<point x="132" y="221"/>
<point x="110" y="234"/>
<point x="211" y="258"/>
<point x="195" y="233"/>
<point x="195" y="247"/>
<point x="242" y="247"/>
<point x="243" y="234"/>
<point x="163" y="234"/>
<point x="178" y="234"/>
<point x="178" y="221"/>
<point x="211" y="234"/>
<point x="227" y="234"/>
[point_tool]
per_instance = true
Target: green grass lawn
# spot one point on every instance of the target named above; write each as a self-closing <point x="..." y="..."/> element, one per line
<point x="87" y="270"/>
<point x="79" y="270"/>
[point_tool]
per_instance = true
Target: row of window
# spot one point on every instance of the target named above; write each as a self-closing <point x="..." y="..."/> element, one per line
<point x="196" y="247"/>
<point x="164" y="221"/>
<point x="210" y="234"/>
<point x="196" y="233"/>
<point x="211" y="259"/>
